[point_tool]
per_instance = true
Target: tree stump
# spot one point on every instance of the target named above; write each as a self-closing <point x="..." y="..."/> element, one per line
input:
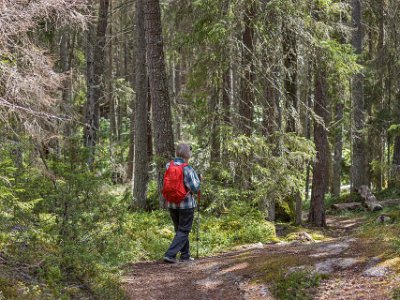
<point x="369" y="200"/>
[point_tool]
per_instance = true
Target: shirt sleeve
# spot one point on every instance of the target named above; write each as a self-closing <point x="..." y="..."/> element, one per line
<point x="191" y="180"/>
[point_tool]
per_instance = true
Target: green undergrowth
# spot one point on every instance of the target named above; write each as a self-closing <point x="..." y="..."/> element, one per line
<point x="288" y="276"/>
<point x="150" y="233"/>
<point x="297" y="285"/>
<point x="288" y="232"/>
<point x="385" y="232"/>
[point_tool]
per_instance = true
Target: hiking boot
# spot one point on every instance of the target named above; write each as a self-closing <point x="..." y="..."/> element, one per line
<point x="187" y="259"/>
<point x="169" y="260"/>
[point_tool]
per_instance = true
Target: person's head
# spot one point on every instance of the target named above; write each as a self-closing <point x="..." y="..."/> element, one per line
<point x="184" y="151"/>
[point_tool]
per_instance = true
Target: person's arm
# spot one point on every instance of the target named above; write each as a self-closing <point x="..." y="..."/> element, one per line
<point x="191" y="180"/>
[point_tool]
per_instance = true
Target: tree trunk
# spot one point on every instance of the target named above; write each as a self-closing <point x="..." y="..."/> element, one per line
<point x="247" y="94"/>
<point x="161" y="106"/>
<point x="308" y="133"/>
<point x="246" y="101"/>
<point x="215" y="139"/>
<point x="109" y="86"/>
<point x="65" y="68"/>
<point x="317" y="212"/>
<point x="359" y="162"/>
<point x="95" y="72"/>
<point x="141" y="155"/>
<point x="176" y="90"/>
<point x="338" y="148"/>
<point x="394" y="181"/>
<point x="226" y="101"/>
<point x="289" y="48"/>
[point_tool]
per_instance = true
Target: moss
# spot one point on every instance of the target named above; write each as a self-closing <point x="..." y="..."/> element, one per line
<point x="8" y="289"/>
<point x="396" y="294"/>
<point x="274" y="265"/>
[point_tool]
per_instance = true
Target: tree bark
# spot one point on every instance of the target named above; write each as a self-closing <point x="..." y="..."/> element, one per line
<point x="289" y="48"/>
<point x="359" y="162"/>
<point x="215" y="139"/>
<point x="161" y="106"/>
<point x="95" y="72"/>
<point x="317" y="211"/>
<point x="141" y="155"/>
<point x="109" y="86"/>
<point x="338" y="148"/>
<point x="246" y="102"/>
<point x="66" y="49"/>
<point x="394" y="181"/>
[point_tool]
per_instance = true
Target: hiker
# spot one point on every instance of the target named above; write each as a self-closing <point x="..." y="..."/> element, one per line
<point x="181" y="210"/>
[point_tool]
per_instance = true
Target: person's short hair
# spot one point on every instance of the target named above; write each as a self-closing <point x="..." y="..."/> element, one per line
<point x="183" y="151"/>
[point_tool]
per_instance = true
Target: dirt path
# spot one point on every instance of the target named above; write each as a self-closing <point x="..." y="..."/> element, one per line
<point x="354" y="268"/>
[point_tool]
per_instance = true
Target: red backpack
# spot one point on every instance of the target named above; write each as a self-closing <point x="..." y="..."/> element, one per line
<point x="174" y="189"/>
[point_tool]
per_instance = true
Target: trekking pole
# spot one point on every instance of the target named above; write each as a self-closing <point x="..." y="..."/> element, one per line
<point x="198" y="221"/>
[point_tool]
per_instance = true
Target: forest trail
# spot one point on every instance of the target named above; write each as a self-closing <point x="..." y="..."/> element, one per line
<point x="355" y="268"/>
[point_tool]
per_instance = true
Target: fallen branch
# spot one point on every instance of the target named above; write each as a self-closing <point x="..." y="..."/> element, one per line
<point x="369" y="199"/>
<point x="347" y="206"/>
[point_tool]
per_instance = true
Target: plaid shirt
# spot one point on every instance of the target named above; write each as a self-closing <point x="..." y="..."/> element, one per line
<point x="192" y="184"/>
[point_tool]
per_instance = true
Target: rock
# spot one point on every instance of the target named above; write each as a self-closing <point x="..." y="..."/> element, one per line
<point x="383" y="219"/>
<point x="328" y="266"/>
<point x="250" y="246"/>
<point x="330" y="249"/>
<point x="304" y="236"/>
<point x="376" y="272"/>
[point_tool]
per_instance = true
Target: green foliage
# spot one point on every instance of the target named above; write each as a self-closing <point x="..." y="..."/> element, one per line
<point x="296" y="285"/>
<point x="277" y="171"/>
<point x="341" y="58"/>
<point x="396" y="294"/>
<point x="147" y="235"/>
<point x="240" y="224"/>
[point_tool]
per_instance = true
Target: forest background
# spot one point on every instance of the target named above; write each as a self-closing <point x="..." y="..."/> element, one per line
<point x="285" y="103"/>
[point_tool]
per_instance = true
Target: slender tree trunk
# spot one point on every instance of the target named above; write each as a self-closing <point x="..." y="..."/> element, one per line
<point x="90" y="108"/>
<point x="394" y="181"/>
<point x="95" y="72"/>
<point x="215" y="143"/>
<point x="176" y="90"/>
<point x="381" y="95"/>
<point x="308" y="133"/>
<point x="226" y="100"/>
<point x="338" y="148"/>
<point x="226" y="113"/>
<point x="359" y="170"/>
<point x="141" y="154"/>
<point x="149" y="127"/>
<point x="65" y="59"/>
<point x="289" y="47"/>
<point x="317" y="212"/>
<point x="109" y="84"/>
<point x="131" y="151"/>
<point x="246" y="102"/>
<point x="161" y="105"/>
<point x="395" y="170"/>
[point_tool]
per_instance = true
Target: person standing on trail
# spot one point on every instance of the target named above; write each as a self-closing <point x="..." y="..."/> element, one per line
<point x="180" y="184"/>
